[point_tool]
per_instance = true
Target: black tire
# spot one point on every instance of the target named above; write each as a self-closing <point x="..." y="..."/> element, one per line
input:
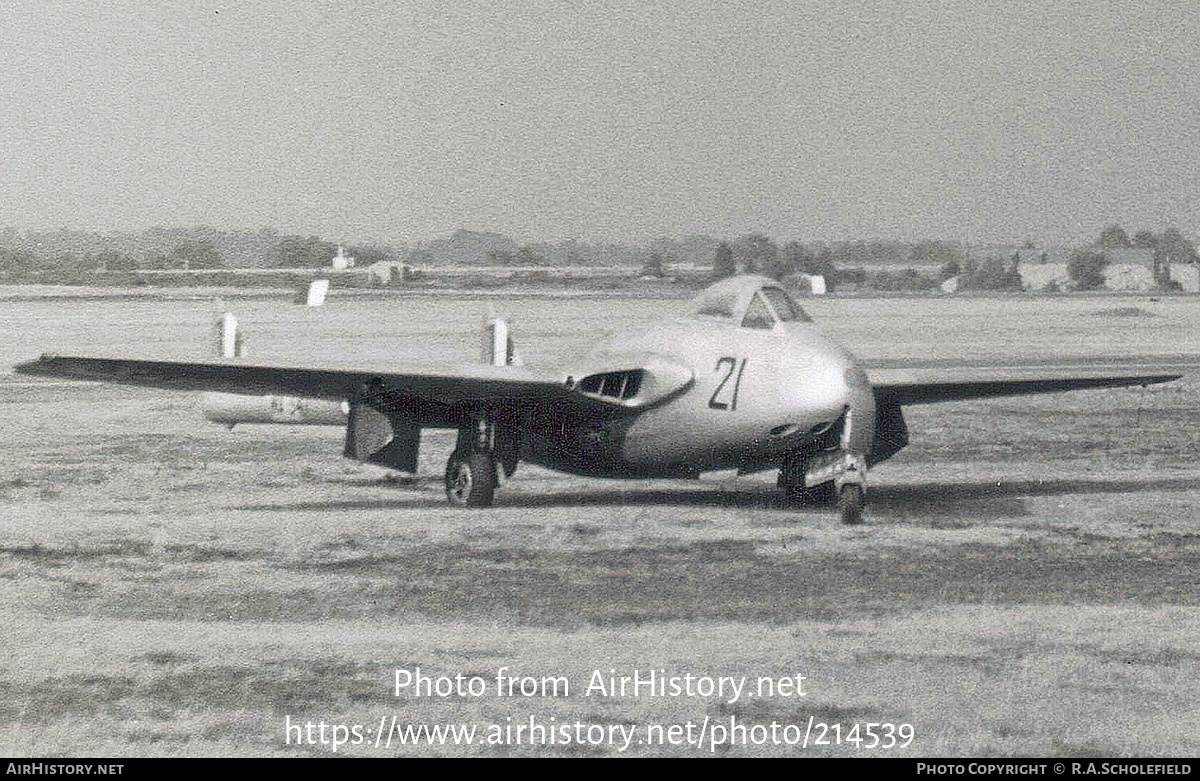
<point x="850" y="504"/>
<point x="471" y="479"/>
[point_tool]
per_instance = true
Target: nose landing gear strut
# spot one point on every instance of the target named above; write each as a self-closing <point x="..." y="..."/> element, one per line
<point x="832" y="473"/>
<point x="825" y="477"/>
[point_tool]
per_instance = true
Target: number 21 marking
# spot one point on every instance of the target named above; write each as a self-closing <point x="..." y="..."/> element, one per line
<point x="719" y="400"/>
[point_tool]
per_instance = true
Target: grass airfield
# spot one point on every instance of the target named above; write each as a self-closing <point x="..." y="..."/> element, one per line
<point x="1027" y="582"/>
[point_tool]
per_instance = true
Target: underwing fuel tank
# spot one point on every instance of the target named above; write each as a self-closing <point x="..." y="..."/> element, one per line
<point x="230" y="409"/>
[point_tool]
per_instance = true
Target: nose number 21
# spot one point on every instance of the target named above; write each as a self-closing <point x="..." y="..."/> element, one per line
<point x="726" y="394"/>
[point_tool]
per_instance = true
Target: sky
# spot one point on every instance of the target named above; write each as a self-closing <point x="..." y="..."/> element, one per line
<point x="604" y="121"/>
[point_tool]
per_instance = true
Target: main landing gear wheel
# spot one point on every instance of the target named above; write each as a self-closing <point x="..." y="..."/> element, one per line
<point x="471" y="479"/>
<point x="850" y="503"/>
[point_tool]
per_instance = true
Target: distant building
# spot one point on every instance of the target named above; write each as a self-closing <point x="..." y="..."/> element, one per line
<point x="1043" y="276"/>
<point x="1131" y="256"/>
<point x="1133" y="268"/>
<point x="1040" y="268"/>
<point x="1129" y="268"/>
<point x="805" y="284"/>
<point x="1128" y="276"/>
<point x="1187" y="275"/>
<point x="386" y="272"/>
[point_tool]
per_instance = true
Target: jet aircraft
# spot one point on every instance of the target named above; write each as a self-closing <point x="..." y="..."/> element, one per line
<point x="744" y="380"/>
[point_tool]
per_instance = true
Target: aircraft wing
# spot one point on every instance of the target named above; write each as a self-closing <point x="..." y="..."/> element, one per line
<point x="931" y="381"/>
<point x="931" y="392"/>
<point x="454" y="386"/>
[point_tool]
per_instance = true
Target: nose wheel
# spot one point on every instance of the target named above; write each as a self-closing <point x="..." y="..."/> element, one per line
<point x="835" y="475"/>
<point x="850" y="503"/>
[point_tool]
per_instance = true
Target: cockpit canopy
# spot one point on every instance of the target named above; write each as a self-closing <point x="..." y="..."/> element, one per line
<point x="749" y="301"/>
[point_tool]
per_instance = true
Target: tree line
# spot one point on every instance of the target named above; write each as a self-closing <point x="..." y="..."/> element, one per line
<point x="887" y="265"/>
<point x="71" y="256"/>
<point x="19" y="264"/>
<point x="933" y="262"/>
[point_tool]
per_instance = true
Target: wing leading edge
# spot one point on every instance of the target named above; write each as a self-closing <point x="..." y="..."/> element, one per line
<point x="904" y="393"/>
<point x="453" y="386"/>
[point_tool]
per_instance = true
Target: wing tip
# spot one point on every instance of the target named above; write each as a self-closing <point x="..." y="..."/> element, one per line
<point x="31" y="367"/>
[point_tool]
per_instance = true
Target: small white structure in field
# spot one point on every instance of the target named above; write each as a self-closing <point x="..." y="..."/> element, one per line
<point x="950" y="285"/>
<point x="341" y="261"/>
<point x="316" y="292"/>
<point x="313" y="293"/>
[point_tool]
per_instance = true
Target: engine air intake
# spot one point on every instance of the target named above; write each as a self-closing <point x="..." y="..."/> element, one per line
<point x="620" y="385"/>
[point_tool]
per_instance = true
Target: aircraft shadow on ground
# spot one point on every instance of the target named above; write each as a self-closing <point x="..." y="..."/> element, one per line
<point x="936" y="498"/>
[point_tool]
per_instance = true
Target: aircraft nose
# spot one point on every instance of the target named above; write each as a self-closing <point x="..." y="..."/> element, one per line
<point x="824" y="385"/>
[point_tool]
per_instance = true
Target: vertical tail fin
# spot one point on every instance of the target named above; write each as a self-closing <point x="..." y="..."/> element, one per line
<point x="229" y="339"/>
<point x="498" y="346"/>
